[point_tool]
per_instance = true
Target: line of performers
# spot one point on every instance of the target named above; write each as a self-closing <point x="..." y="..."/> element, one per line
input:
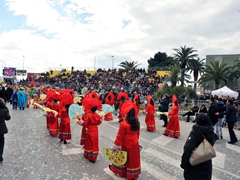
<point x="127" y="138"/>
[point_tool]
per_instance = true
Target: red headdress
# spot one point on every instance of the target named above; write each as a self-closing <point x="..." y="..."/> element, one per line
<point x="66" y="98"/>
<point x="94" y="95"/>
<point x="174" y="99"/>
<point x="127" y="106"/>
<point x="122" y="94"/>
<point x="52" y="95"/>
<point x="89" y="102"/>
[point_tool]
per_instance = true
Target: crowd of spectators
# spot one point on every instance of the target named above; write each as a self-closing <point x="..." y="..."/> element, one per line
<point x="138" y="80"/>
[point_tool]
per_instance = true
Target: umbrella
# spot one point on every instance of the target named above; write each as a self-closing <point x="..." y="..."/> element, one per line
<point x="74" y="111"/>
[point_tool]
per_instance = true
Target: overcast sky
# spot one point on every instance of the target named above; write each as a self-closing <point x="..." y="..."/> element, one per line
<point x="53" y="34"/>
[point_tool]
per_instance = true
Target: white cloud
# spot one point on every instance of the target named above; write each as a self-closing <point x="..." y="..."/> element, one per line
<point x="73" y="32"/>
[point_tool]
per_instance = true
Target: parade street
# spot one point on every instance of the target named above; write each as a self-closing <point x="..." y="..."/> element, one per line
<point x="32" y="154"/>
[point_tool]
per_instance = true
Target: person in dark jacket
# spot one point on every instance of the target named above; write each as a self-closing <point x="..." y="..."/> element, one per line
<point x="203" y="109"/>
<point x="218" y="126"/>
<point x="202" y="128"/>
<point x="212" y="110"/>
<point x="9" y="93"/>
<point x="4" y="115"/>
<point x="231" y="119"/>
<point x="3" y="94"/>
<point x="164" y="106"/>
<point x="194" y="110"/>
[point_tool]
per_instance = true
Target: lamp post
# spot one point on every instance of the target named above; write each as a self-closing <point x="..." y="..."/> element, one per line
<point x="23" y="66"/>
<point x="94" y="63"/>
<point x="112" y="61"/>
<point x="3" y="63"/>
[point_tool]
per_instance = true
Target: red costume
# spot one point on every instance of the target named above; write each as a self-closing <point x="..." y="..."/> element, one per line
<point x="64" y="128"/>
<point x="53" y="103"/>
<point x="90" y="122"/>
<point x="150" y="119"/>
<point x="127" y="140"/>
<point x="121" y="96"/>
<point x="173" y="127"/>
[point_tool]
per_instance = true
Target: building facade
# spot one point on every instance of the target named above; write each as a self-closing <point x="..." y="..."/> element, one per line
<point x="230" y="60"/>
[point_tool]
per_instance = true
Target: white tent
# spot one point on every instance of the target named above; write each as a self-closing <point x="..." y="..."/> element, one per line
<point x="225" y="91"/>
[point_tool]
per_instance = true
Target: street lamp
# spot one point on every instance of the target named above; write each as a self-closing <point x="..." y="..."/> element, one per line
<point x="23" y="66"/>
<point x="112" y="61"/>
<point x="3" y="63"/>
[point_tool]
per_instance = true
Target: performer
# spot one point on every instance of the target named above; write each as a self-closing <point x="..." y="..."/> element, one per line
<point x="127" y="139"/>
<point x="64" y="128"/>
<point x="173" y="127"/>
<point x="90" y="122"/>
<point x="136" y="107"/>
<point x="22" y="98"/>
<point x="122" y="97"/>
<point x="53" y="104"/>
<point x="111" y="101"/>
<point x="14" y="99"/>
<point x="150" y="119"/>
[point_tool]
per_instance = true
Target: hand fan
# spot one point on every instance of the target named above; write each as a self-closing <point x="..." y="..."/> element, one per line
<point x="118" y="158"/>
<point x="74" y="111"/>
<point x="106" y="108"/>
<point x="77" y="99"/>
<point x="43" y="96"/>
<point x="83" y="91"/>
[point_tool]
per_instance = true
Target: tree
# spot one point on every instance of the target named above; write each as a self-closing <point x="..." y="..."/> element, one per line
<point x="176" y="77"/>
<point x="217" y="72"/>
<point x="160" y="60"/>
<point x="182" y="56"/>
<point x="197" y="67"/>
<point x="129" y="65"/>
<point x="235" y="71"/>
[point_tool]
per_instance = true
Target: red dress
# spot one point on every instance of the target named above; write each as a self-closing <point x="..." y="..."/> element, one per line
<point x="48" y="117"/>
<point x="136" y="109"/>
<point x="127" y="140"/>
<point x="53" y="126"/>
<point x="173" y="127"/>
<point x="121" y="116"/>
<point x="150" y="119"/>
<point x="64" y="128"/>
<point x="83" y="134"/>
<point x="91" y="147"/>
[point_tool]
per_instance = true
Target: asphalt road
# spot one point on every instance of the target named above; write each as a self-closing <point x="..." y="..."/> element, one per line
<point x="32" y="154"/>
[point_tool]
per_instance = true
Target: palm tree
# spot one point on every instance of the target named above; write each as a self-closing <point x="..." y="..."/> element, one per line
<point x="235" y="71"/>
<point x="129" y="65"/>
<point x="217" y="72"/>
<point x="197" y="67"/>
<point x="176" y="77"/>
<point x="182" y="56"/>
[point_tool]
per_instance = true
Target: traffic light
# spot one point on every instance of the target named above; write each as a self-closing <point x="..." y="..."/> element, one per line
<point x="3" y="72"/>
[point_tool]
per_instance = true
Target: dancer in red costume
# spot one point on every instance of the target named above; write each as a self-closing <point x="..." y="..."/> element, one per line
<point x="127" y="139"/>
<point x="54" y="104"/>
<point x="64" y="129"/>
<point x="122" y="96"/>
<point x="111" y="101"/>
<point x="173" y="127"/>
<point x="90" y="121"/>
<point x="150" y="119"/>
